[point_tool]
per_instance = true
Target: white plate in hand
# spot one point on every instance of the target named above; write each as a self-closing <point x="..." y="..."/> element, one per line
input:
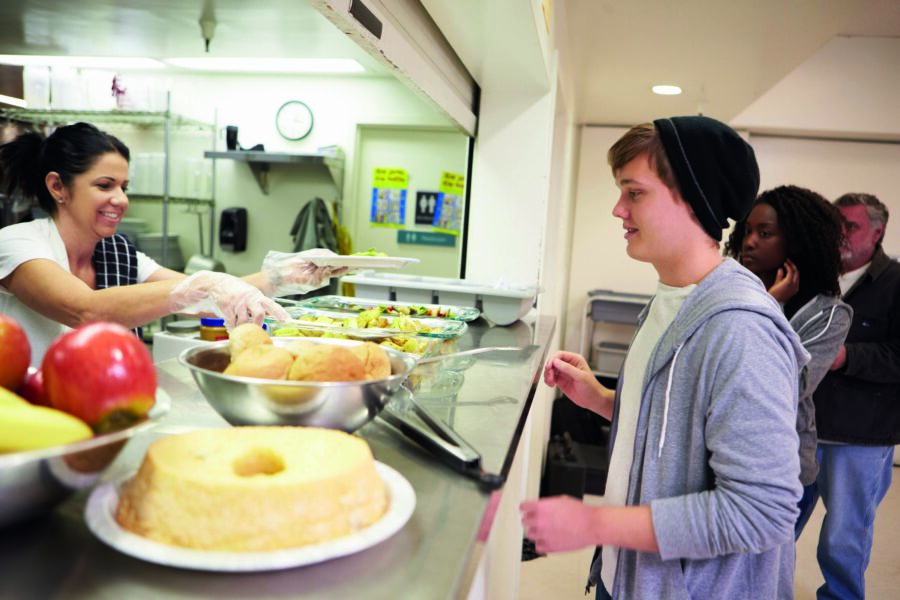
<point x="362" y="262"/>
<point x="100" y="516"/>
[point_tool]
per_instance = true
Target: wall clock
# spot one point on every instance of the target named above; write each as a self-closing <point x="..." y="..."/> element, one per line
<point x="294" y="120"/>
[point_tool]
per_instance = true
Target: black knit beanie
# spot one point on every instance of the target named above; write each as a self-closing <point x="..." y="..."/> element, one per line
<point x="716" y="169"/>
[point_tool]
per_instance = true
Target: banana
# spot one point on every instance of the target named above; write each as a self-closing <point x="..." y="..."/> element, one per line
<point x="24" y="426"/>
<point x="8" y="398"/>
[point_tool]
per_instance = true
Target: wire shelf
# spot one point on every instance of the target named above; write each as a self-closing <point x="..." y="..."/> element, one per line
<point x="138" y="118"/>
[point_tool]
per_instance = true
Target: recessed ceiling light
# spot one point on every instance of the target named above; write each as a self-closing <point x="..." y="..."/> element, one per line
<point x="114" y="63"/>
<point x="666" y="90"/>
<point x="268" y="65"/>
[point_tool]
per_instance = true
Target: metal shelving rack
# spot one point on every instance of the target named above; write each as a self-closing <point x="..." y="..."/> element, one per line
<point x="142" y="119"/>
<point x="53" y="116"/>
<point x="607" y="306"/>
<point x="260" y="162"/>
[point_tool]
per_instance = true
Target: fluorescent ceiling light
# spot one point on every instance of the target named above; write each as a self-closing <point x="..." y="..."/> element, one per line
<point x="666" y="90"/>
<point x="13" y="101"/>
<point x="268" y="65"/>
<point x="113" y="63"/>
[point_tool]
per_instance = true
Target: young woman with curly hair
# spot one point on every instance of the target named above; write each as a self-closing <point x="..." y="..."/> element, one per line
<point x="792" y="240"/>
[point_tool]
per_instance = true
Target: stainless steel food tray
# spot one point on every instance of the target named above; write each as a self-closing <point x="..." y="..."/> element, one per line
<point x="337" y="321"/>
<point x="389" y="307"/>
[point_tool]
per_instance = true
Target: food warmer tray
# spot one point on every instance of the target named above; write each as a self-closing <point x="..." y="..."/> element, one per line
<point x="430" y="327"/>
<point x="412" y="309"/>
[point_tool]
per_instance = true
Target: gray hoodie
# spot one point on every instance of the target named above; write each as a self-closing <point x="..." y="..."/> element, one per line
<point x="716" y="449"/>
<point x="822" y="324"/>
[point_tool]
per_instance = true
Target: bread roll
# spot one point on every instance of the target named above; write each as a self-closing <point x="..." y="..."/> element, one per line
<point x="246" y="335"/>
<point x="299" y="347"/>
<point x="264" y="361"/>
<point x="374" y="359"/>
<point x="325" y="362"/>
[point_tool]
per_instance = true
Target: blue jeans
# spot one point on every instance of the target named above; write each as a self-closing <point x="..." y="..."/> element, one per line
<point x="852" y="482"/>
<point x="806" y="505"/>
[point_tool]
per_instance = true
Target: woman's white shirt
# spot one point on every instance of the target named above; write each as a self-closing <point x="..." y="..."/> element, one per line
<point x="40" y="239"/>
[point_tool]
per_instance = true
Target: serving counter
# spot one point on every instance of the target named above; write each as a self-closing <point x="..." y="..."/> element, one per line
<point x="485" y="398"/>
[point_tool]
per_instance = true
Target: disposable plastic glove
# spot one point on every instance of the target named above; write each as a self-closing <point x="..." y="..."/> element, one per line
<point x="233" y="299"/>
<point x="288" y="273"/>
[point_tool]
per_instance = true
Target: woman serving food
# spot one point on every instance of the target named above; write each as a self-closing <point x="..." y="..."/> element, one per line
<point x="72" y="267"/>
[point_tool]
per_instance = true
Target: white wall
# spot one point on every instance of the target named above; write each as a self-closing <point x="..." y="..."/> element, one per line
<point x="250" y="102"/>
<point x="849" y="87"/>
<point x="509" y="186"/>
<point x="832" y="168"/>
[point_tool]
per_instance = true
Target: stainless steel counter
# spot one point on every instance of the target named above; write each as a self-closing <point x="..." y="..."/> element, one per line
<point x="485" y="398"/>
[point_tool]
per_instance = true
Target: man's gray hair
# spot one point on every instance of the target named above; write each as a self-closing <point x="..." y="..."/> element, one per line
<point x="875" y="208"/>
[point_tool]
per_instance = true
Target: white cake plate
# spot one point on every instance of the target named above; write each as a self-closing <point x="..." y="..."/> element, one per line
<point x="100" y="516"/>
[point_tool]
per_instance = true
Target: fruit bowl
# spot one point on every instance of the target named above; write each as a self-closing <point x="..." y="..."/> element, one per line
<point x="35" y="481"/>
<point x="345" y="405"/>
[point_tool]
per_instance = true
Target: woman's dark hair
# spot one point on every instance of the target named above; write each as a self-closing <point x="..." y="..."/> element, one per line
<point x="69" y="151"/>
<point x="814" y="231"/>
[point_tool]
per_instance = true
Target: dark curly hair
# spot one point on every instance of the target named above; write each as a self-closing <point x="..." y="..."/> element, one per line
<point x="814" y="229"/>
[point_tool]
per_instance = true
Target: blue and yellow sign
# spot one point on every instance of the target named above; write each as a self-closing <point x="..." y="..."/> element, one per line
<point x="389" y="186"/>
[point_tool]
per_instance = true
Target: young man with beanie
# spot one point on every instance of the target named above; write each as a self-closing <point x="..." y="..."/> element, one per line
<point x="858" y="403"/>
<point x="703" y="483"/>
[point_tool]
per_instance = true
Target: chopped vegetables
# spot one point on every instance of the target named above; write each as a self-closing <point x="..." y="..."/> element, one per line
<point x="347" y="303"/>
<point x="366" y="320"/>
<point x="369" y="252"/>
<point x="415" y="309"/>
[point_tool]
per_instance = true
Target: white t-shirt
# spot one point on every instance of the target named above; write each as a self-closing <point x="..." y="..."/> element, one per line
<point x="40" y="239"/>
<point x="665" y="306"/>
<point x="848" y="280"/>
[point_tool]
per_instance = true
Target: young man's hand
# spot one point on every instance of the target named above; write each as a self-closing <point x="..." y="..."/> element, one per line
<point x="574" y="377"/>
<point x="562" y="523"/>
<point x="558" y="524"/>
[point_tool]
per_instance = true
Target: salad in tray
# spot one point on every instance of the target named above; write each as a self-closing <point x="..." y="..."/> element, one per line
<point x="360" y="305"/>
<point x="398" y="332"/>
<point x="405" y="343"/>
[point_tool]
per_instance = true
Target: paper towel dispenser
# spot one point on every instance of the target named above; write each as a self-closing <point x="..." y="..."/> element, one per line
<point x="233" y="229"/>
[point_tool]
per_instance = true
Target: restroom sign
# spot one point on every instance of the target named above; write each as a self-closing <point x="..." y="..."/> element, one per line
<point x="426" y="203"/>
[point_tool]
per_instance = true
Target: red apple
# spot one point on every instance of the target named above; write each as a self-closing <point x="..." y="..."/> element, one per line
<point x="102" y="374"/>
<point x="15" y="353"/>
<point x="33" y="388"/>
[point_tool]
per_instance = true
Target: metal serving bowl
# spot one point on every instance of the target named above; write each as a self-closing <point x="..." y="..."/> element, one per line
<point x="33" y="482"/>
<point x="252" y="401"/>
